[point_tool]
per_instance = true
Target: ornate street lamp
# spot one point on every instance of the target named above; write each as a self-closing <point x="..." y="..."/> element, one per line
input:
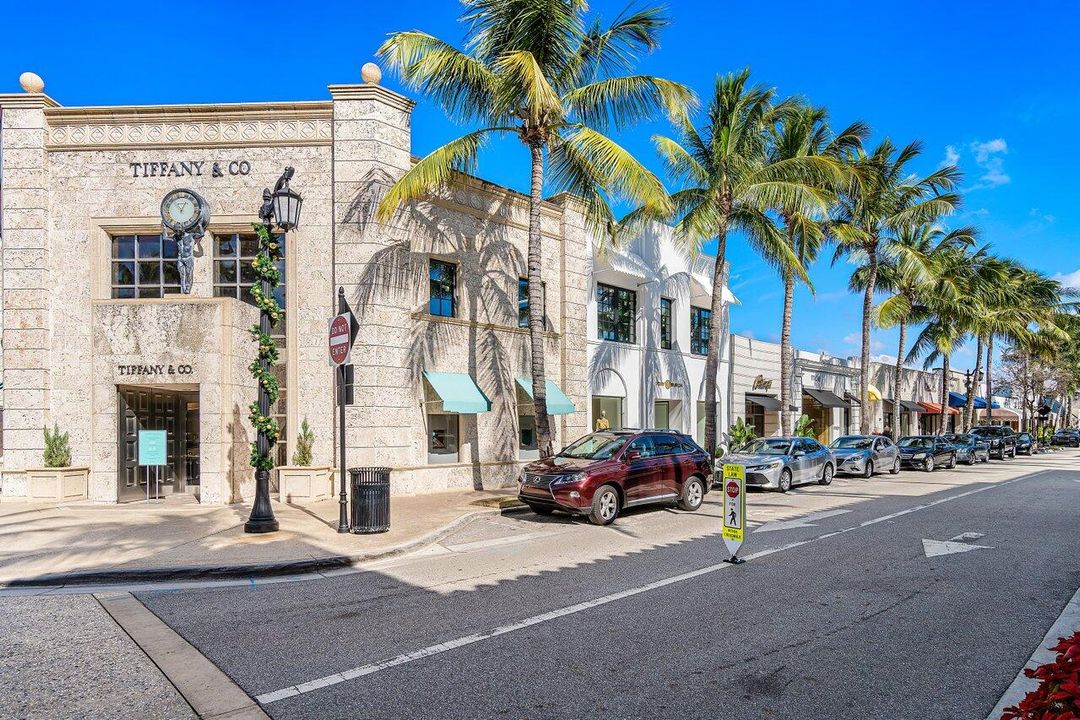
<point x="281" y="209"/>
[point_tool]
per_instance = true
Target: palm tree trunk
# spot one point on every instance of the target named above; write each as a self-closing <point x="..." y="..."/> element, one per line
<point x="898" y="379"/>
<point x="536" y="306"/>
<point x="989" y="378"/>
<point x="944" y="393"/>
<point x="972" y="387"/>
<point x="864" y="358"/>
<point x="1025" y="422"/>
<point x="712" y="358"/>
<point x="786" y="359"/>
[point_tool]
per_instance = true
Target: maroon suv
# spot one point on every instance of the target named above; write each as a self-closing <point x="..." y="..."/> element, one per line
<point x="607" y="471"/>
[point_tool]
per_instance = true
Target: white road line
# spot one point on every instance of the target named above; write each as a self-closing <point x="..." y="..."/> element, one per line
<point x="438" y="649"/>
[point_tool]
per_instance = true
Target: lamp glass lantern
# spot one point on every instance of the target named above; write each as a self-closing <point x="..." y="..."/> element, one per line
<point x="286" y="204"/>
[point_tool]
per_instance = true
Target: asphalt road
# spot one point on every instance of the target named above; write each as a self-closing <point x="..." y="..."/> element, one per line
<point x="844" y="618"/>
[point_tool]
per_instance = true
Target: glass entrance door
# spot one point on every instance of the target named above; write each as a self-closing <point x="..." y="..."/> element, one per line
<point x="145" y="408"/>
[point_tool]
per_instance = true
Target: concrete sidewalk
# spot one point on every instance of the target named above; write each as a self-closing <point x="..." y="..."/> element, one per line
<point x="180" y="539"/>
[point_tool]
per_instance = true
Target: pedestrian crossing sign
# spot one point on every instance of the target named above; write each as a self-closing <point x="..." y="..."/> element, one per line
<point x="733" y="483"/>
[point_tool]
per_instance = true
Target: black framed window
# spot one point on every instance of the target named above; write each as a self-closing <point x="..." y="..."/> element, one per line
<point x="442" y="278"/>
<point x="665" y="323"/>
<point x="144" y="266"/>
<point x="523" y="301"/>
<point x="700" y="321"/>
<point x="616" y="309"/>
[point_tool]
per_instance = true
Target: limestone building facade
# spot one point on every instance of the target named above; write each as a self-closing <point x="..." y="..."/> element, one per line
<point x="99" y="340"/>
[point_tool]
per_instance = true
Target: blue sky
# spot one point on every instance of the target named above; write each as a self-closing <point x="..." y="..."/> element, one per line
<point x="993" y="86"/>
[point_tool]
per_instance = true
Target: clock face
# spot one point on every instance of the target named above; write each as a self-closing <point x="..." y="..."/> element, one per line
<point x="180" y="209"/>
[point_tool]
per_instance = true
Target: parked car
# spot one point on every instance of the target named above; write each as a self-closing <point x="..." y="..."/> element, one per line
<point x="969" y="448"/>
<point x="865" y="454"/>
<point x="605" y="472"/>
<point x="780" y="463"/>
<point x="1067" y="437"/>
<point x="1002" y="439"/>
<point x="1025" y="444"/>
<point x="926" y="452"/>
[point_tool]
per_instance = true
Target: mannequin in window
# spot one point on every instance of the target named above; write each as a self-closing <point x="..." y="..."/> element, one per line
<point x="602" y="421"/>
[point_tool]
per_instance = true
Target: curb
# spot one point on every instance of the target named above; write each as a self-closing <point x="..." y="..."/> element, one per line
<point x="247" y="570"/>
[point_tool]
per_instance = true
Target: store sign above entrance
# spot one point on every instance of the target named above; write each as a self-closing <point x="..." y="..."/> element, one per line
<point x="760" y="383"/>
<point x="131" y="370"/>
<point x="190" y="168"/>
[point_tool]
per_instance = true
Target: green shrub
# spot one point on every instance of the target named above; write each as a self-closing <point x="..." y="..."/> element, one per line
<point x="740" y="434"/>
<point x="804" y="427"/>
<point x="305" y="439"/>
<point x="57" y="452"/>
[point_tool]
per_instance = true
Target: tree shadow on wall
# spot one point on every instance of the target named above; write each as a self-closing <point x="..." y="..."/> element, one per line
<point x="488" y="268"/>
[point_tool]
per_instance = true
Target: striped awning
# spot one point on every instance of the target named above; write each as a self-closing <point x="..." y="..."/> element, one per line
<point x="935" y="409"/>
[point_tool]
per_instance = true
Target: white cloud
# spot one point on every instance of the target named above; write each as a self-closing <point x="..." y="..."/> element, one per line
<point x="1040" y="215"/>
<point x="854" y="339"/>
<point x="951" y="156"/>
<point x="988" y="158"/>
<point x="1070" y="280"/>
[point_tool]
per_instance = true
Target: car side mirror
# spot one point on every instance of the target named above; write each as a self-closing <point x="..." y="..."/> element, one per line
<point x="631" y="455"/>
<point x="799" y="453"/>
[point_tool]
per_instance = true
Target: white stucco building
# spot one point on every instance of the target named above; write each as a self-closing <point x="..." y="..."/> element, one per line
<point x="647" y="329"/>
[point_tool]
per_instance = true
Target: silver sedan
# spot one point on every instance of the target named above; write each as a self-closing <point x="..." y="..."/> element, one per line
<point x="865" y="454"/>
<point x="779" y="463"/>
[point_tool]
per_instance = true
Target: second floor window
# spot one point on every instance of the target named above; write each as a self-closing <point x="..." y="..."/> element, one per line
<point x="615" y="311"/>
<point x="523" y="301"/>
<point x="700" y="319"/>
<point x="442" y="278"/>
<point x="144" y="266"/>
<point x="665" y="323"/>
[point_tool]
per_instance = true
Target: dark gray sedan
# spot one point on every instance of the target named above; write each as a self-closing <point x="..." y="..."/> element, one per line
<point x="969" y="448"/>
<point x="865" y="454"/>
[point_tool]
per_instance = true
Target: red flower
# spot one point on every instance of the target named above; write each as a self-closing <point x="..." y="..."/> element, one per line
<point x="1058" y="695"/>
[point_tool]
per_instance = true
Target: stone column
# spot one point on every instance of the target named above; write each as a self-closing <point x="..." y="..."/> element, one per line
<point x="371" y="151"/>
<point x="26" y="298"/>
<point x="576" y="262"/>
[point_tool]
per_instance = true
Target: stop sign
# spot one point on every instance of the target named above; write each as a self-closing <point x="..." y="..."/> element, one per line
<point x="340" y="339"/>
<point x="732" y="489"/>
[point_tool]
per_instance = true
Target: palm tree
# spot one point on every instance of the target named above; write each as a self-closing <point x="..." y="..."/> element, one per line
<point x="533" y="69"/>
<point x="885" y="197"/>
<point x="728" y="181"/>
<point x="952" y="304"/>
<point x="909" y="274"/>
<point x="803" y="131"/>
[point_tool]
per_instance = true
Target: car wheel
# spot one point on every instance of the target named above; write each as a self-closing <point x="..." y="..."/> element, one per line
<point x="952" y="461"/>
<point x="868" y="471"/>
<point x="693" y="493"/>
<point x="541" y="509"/>
<point x="605" y="505"/>
<point x="785" y="481"/>
<point x="1013" y="453"/>
<point x="972" y="459"/>
<point x="827" y="474"/>
<point x="896" y="467"/>
<point x="928" y="464"/>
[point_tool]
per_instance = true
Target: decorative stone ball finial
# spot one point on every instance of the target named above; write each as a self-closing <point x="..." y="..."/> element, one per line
<point x="31" y="82"/>
<point x="371" y="73"/>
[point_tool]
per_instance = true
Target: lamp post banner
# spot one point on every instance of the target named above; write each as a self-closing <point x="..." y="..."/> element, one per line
<point x="734" y="485"/>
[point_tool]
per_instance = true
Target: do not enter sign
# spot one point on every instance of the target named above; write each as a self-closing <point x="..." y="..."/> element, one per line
<point x="340" y="339"/>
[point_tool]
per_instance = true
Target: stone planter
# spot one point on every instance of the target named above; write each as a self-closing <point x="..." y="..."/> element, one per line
<point x="59" y="484"/>
<point x="298" y="483"/>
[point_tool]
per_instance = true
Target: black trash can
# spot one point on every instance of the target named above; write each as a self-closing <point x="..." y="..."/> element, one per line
<point x="370" y="499"/>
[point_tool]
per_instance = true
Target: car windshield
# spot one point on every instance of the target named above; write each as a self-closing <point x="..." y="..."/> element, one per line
<point x="598" y="446"/>
<point x="853" y="443"/>
<point x="1025" y="436"/>
<point x="768" y="446"/>
<point x="988" y="431"/>
<point x="915" y="442"/>
<point x="962" y="439"/>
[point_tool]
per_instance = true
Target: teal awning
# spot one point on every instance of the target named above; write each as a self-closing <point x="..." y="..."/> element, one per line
<point x="458" y="392"/>
<point x="557" y="402"/>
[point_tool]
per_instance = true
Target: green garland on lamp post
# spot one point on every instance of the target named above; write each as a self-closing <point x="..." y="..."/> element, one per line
<point x="266" y="272"/>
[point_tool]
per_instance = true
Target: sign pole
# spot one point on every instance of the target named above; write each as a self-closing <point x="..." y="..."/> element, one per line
<point x="340" y="358"/>
<point x="734" y="484"/>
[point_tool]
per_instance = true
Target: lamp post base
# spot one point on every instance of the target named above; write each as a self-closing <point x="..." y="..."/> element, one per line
<point x="261" y="525"/>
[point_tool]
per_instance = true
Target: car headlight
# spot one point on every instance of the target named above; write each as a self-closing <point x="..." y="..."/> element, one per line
<point x="918" y="456"/>
<point x="569" y="479"/>
<point x="766" y="466"/>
